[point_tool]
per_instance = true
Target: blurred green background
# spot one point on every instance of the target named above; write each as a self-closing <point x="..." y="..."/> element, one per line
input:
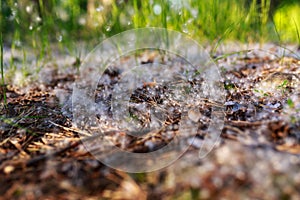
<point x="39" y="23"/>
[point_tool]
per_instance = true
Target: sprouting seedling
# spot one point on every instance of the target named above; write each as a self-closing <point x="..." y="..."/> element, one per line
<point x="290" y="103"/>
<point x="283" y="86"/>
<point x="229" y="86"/>
<point x="292" y="111"/>
<point x="223" y="69"/>
<point x="12" y="122"/>
<point x="77" y="62"/>
<point x="265" y="94"/>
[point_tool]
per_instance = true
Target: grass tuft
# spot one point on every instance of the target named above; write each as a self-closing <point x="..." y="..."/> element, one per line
<point x="1" y="58"/>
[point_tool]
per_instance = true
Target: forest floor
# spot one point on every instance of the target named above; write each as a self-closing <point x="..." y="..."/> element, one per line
<point x="258" y="157"/>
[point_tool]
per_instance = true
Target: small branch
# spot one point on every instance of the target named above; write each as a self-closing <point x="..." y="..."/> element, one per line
<point x="72" y="129"/>
<point x="244" y="123"/>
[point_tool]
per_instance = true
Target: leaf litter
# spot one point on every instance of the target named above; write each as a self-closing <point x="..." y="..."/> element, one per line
<point x="41" y="154"/>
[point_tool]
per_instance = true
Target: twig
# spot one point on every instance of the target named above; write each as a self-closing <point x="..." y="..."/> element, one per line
<point x="234" y="129"/>
<point x="56" y="153"/>
<point x="67" y="148"/>
<point x="71" y="129"/>
<point x="245" y="123"/>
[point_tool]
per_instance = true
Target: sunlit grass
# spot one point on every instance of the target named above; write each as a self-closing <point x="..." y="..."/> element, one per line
<point x="61" y="21"/>
<point x="287" y="22"/>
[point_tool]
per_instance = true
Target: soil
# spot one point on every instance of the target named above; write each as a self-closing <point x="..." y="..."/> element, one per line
<point x="258" y="156"/>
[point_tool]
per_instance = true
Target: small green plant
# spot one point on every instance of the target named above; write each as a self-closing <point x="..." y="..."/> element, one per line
<point x="283" y="86"/>
<point x="14" y="122"/>
<point x="228" y="85"/>
<point x="290" y="103"/>
<point x="261" y="92"/>
<point x="140" y="177"/>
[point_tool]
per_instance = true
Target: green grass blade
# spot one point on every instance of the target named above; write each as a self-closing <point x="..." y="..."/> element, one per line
<point x="1" y="57"/>
<point x="297" y="31"/>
